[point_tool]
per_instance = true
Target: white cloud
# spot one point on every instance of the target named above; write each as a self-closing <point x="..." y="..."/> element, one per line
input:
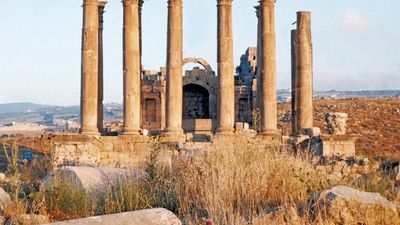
<point x="354" y="20"/>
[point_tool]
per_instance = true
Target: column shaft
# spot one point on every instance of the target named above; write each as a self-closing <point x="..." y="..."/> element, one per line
<point x="305" y="76"/>
<point x="141" y="2"/>
<point x="174" y="68"/>
<point x="259" y="54"/>
<point x="100" y="111"/>
<point x="89" y="68"/>
<point x="268" y="68"/>
<point x="294" y="81"/>
<point x="131" y="65"/>
<point x="226" y="109"/>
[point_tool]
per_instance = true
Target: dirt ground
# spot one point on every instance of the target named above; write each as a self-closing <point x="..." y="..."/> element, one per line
<point x="376" y="121"/>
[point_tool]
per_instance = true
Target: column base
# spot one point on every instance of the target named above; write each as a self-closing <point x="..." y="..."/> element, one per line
<point x="90" y="132"/>
<point x="225" y="131"/>
<point x="271" y="136"/>
<point x="172" y="135"/>
<point x="134" y="138"/>
<point x="131" y="132"/>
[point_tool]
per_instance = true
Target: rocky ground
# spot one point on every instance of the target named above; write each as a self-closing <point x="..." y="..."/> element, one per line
<point x="376" y="121"/>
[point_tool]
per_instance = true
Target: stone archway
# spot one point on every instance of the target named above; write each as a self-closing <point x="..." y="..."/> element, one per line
<point x="202" y="62"/>
<point x="195" y="102"/>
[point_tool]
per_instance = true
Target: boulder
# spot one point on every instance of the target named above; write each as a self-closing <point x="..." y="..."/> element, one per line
<point x="94" y="180"/>
<point x="336" y="123"/>
<point x="5" y="200"/>
<point x="156" y="216"/>
<point x="346" y="205"/>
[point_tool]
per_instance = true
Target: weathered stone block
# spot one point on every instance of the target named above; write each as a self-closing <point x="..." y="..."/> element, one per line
<point x="94" y="180"/>
<point x="157" y="216"/>
<point x="346" y="205"/>
<point x="337" y="145"/>
<point x="239" y="126"/>
<point x="312" y="132"/>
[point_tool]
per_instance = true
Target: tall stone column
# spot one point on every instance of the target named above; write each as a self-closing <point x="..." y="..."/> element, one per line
<point x="305" y="73"/>
<point x="131" y="65"/>
<point x="268" y="71"/>
<point x="294" y="73"/>
<point x="259" y="50"/>
<point x="174" y="70"/>
<point x="141" y="2"/>
<point x="226" y="86"/>
<point x="100" y="110"/>
<point x="90" y="67"/>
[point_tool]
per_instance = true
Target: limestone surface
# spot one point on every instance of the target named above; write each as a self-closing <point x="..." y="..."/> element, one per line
<point x="94" y="180"/>
<point x="156" y="216"/>
<point x="346" y="205"/>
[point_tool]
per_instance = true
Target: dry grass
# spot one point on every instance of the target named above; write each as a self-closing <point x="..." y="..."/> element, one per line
<point x="234" y="184"/>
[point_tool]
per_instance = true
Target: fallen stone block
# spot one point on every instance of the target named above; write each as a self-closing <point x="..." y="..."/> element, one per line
<point x="346" y="205"/>
<point x="312" y="132"/>
<point x="94" y="180"/>
<point x="156" y="216"/>
<point x="239" y="126"/>
<point x="145" y="132"/>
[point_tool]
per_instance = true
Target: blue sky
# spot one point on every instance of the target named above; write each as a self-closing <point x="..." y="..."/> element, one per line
<point x="356" y="44"/>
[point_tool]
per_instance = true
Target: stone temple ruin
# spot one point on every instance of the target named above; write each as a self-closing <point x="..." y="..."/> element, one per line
<point x="200" y="102"/>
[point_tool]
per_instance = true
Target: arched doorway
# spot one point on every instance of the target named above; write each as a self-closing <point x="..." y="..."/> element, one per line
<point x="195" y="102"/>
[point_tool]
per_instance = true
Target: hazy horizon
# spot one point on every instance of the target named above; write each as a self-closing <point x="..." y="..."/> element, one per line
<point x="356" y="44"/>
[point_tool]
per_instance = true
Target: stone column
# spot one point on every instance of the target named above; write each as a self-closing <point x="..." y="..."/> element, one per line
<point x="100" y="111"/>
<point x="90" y="67"/>
<point x="304" y="68"/>
<point x="294" y="73"/>
<point x="226" y="86"/>
<point x="259" y="50"/>
<point x="141" y="2"/>
<point x="268" y="70"/>
<point x="131" y="58"/>
<point x="174" y="71"/>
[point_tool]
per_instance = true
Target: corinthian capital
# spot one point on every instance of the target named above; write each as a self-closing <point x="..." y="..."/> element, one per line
<point x="267" y="2"/>
<point x="131" y="2"/>
<point x="175" y="2"/>
<point x="90" y="2"/>
<point x="224" y="2"/>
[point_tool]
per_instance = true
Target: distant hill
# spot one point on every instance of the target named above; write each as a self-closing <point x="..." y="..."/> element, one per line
<point x="24" y="107"/>
<point x="21" y="107"/>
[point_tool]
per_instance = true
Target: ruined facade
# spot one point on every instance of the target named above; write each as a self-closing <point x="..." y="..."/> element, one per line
<point x="199" y="95"/>
<point x="201" y="100"/>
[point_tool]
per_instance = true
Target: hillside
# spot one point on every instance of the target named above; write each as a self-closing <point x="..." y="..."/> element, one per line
<point x="376" y="121"/>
